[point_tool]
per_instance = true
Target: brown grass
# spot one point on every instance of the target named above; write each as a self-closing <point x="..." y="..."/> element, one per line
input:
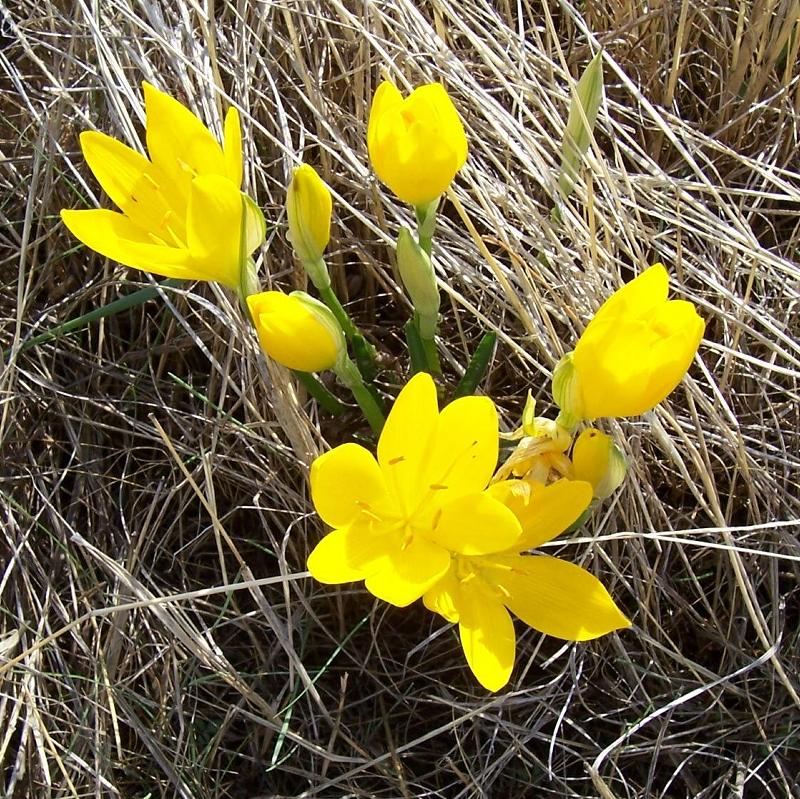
<point x="158" y="636"/>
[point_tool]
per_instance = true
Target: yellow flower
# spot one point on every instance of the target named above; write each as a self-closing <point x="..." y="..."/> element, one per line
<point x="416" y="144"/>
<point x="182" y="208"/>
<point x="308" y="209"/>
<point x="397" y="519"/>
<point x="597" y="460"/>
<point x="632" y="354"/>
<point x="296" y="330"/>
<point x="550" y="595"/>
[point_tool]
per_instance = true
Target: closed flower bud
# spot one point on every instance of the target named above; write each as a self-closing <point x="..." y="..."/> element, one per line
<point x="417" y="144"/>
<point x="597" y="460"/>
<point x="416" y="272"/>
<point x="296" y="330"/>
<point x="308" y="209"/>
<point x="578" y="134"/>
<point x="632" y="354"/>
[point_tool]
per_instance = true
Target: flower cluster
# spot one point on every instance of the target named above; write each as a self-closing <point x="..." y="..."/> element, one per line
<point x="432" y="515"/>
<point x="421" y="520"/>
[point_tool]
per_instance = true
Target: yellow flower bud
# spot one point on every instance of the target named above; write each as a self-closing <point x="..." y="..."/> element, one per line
<point x="416" y="272"/>
<point x="308" y="208"/>
<point x="597" y="460"/>
<point x="296" y="330"/>
<point x="417" y="144"/>
<point x="632" y="354"/>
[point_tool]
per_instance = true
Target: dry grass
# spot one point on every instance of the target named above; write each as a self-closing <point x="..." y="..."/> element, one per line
<point x="158" y="636"/>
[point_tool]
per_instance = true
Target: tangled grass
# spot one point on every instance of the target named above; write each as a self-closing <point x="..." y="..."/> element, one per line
<point x="158" y="635"/>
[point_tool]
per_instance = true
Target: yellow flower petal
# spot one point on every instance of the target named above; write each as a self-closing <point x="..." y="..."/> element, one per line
<point x="409" y="572"/>
<point x="293" y="334"/>
<point x="387" y="96"/>
<point x="345" y="483"/>
<point x="559" y="598"/>
<point x="544" y="512"/>
<point x="179" y="144"/>
<point x="475" y="524"/>
<point x="213" y="228"/>
<point x="135" y="186"/>
<point x="432" y="103"/>
<point x="596" y="460"/>
<point x="405" y="442"/>
<point x="639" y="297"/>
<point x="232" y="147"/>
<point x="351" y="553"/>
<point x="487" y="636"/>
<point x="463" y="455"/>
<point x="442" y="598"/>
<point x="115" y="236"/>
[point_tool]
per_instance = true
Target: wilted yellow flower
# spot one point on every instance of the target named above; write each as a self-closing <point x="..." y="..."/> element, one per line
<point x="417" y="144"/>
<point x="553" y="596"/>
<point x="632" y="354"/>
<point x="397" y="519"/>
<point x="597" y="460"/>
<point x="183" y="214"/>
<point x="308" y="208"/>
<point x="296" y="330"/>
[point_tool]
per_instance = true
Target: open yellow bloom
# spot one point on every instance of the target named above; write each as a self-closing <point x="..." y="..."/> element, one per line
<point x="632" y="354"/>
<point x="551" y="595"/>
<point x="417" y="144"/>
<point x="296" y="330"/>
<point x="397" y="519"/>
<point x="182" y="209"/>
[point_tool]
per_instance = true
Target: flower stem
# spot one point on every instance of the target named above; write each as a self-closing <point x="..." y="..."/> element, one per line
<point x="416" y="349"/>
<point x="426" y="224"/>
<point x="434" y="366"/>
<point x="351" y="377"/>
<point x="478" y="364"/>
<point x="321" y="394"/>
<point x="364" y="351"/>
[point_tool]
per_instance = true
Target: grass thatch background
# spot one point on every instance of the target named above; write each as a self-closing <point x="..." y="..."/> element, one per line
<point x="151" y="460"/>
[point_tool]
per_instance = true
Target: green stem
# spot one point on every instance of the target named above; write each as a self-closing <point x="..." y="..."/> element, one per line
<point x="348" y="373"/>
<point x="364" y="351"/>
<point x="416" y="349"/>
<point x="426" y="224"/>
<point x="477" y="367"/>
<point x="321" y="394"/>
<point x="434" y="366"/>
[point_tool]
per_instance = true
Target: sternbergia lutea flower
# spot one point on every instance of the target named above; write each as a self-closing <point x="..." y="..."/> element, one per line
<point x="182" y="213"/>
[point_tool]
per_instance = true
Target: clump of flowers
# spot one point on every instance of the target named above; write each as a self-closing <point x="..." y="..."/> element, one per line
<point x="432" y="515"/>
